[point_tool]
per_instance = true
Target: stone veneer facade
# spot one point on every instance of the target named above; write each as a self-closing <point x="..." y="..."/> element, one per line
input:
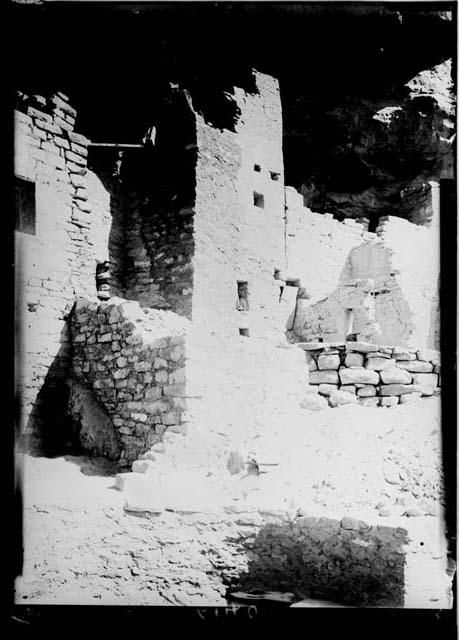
<point x="370" y="374"/>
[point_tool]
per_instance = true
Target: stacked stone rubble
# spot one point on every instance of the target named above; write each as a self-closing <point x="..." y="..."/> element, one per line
<point x="372" y="375"/>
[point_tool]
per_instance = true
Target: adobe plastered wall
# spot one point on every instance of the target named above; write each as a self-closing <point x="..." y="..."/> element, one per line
<point x="403" y="263"/>
<point x="234" y="238"/>
<point x="233" y="379"/>
<point x="390" y="281"/>
<point x="317" y="246"/>
<point x="57" y="262"/>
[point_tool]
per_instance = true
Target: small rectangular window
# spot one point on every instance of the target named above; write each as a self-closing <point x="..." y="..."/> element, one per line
<point x="258" y="200"/>
<point x="25" y="206"/>
<point x="242" y="295"/>
<point x="274" y="175"/>
<point x="244" y="332"/>
<point x="257" y="167"/>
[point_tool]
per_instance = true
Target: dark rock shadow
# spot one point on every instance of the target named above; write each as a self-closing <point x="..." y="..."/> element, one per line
<point x="48" y="430"/>
<point x="90" y="466"/>
<point x="353" y="568"/>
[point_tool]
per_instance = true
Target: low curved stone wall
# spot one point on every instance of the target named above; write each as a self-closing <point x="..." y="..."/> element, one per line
<point x="372" y="375"/>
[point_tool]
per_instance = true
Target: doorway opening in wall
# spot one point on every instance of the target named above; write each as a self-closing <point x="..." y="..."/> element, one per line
<point x="373" y="223"/>
<point x="242" y="295"/>
<point x="25" y="206"/>
<point x="258" y="200"/>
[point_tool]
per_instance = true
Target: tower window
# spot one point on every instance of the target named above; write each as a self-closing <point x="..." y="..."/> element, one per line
<point x="242" y="295"/>
<point x="25" y="206"/>
<point x="258" y="200"/>
<point x="274" y="175"/>
<point x="257" y="167"/>
<point x="244" y="332"/>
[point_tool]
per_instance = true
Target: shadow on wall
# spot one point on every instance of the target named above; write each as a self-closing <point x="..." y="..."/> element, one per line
<point x="323" y="560"/>
<point x="49" y="430"/>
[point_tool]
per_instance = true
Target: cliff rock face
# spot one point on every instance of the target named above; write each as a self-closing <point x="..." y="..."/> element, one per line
<point x="377" y="155"/>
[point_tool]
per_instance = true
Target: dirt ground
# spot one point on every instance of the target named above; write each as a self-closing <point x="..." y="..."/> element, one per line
<point x="81" y="546"/>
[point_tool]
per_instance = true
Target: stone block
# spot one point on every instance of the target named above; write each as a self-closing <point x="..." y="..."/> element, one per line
<point x="415" y="366"/>
<point x="178" y="376"/>
<point x="426" y="379"/>
<point x="369" y="402"/>
<point x="312" y="365"/>
<point x="378" y="354"/>
<point x="120" y="480"/>
<point x="311" y="346"/>
<point x="338" y="398"/>
<point x="142" y="466"/>
<point x="327" y="377"/>
<point x="172" y="390"/>
<point x="397" y="389"/>
<point x="404" y="355"/>
<point x="428" y="355"/>
<point x="410" y="398"/>
<point x="161" y="377"/>
<point x="358" y="375"/>
<point x="75" y="158"/>
<point x="395" y="376"/>
<point x="78" y="138"/>
<point x="326" y="389"/>
<point x="170" y="418"/>
<point x="327" y="362"/>
<point x="154" y="393"/>
<point x="378" y="363"/>
<point x="389" y="401"/>
<point x="139" y="417"/>
<point x="314" y="402"/>
<point x="121" y="373"/>
<point x="354" y="360"/>
<point x="367" y="391"/>
<point x="353" y="524"/>
<point x="361" y="347"/>
<point x="142" y="366"/>
<point x="348" y="388"/>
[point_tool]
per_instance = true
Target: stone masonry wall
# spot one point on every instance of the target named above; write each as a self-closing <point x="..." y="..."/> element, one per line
<point x="370" y="374"/>
<point x="159" y="211"/>
<point x="132" y="363"/>
<point x="53" y="264"/>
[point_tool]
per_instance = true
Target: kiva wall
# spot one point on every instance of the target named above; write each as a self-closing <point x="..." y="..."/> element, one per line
<point x="129" y="363"/>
